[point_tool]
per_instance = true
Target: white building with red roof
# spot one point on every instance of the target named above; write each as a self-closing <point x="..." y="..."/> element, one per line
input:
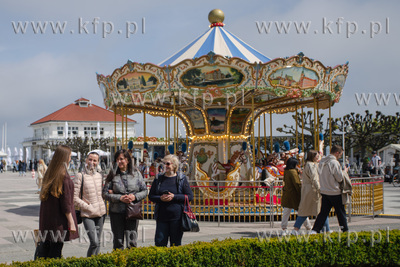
<point x="79" y="119"/>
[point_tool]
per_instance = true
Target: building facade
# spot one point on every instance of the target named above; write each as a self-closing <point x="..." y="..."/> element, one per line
<point x="79" y="119"/>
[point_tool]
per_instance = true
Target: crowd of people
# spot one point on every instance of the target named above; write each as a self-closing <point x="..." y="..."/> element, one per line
<point x="60" y="196"/>
<point x="313" y="191"/>
<point x="324" y="184"/>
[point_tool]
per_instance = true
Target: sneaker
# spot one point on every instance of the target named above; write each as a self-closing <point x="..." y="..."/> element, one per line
<point x="312" y="232"/>
<point x="294" y="232"/>
<point x="284" y="232"/>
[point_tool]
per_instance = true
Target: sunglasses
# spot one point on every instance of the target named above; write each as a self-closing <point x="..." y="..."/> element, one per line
<point x="167" y="163"/>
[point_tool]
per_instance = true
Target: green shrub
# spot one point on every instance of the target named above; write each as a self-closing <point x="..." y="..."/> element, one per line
<point x="339" y="249"/>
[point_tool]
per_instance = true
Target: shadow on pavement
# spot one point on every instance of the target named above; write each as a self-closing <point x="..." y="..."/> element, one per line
<point x="32" y="210"/>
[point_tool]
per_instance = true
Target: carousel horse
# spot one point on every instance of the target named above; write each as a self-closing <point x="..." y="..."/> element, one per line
<point x="219" y="168"/>
<point x="203" y="180"/>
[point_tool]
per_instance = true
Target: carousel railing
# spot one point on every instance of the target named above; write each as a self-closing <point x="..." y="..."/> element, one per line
<point x="367" y="197"/>
<point x="254" y="201"/>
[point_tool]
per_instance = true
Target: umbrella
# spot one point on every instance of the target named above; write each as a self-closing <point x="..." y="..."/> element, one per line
<point x="9" y="160"/>
<point x="98" y="130"/>
<point x="15" y="155"/>
<point x="66" y="130"/>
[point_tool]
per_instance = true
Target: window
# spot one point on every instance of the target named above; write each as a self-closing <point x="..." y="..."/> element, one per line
<point x="73" y="130"/>
<point x="92" y="131"/>
<point x="37" y="133"/>
<point x="60" y="130"/>
<point x="45" y="132"/>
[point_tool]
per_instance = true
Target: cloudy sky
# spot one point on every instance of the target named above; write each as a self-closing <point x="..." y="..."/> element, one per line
<point x="43" y="72"/>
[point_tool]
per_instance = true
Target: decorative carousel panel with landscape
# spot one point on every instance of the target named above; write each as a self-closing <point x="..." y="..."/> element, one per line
<point x="197" y="119"/>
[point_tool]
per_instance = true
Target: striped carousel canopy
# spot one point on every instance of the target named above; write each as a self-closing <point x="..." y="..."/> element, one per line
<point x="220" y="42"/>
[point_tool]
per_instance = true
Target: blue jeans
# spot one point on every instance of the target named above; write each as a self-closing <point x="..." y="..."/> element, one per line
<point x="300" y="220"/>
<point x="168" y="230"/>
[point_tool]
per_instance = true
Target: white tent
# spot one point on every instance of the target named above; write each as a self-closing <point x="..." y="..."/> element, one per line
<point x="100" y="152"/>
<point x="386" y="153"/>
<point x="73" y="154"/>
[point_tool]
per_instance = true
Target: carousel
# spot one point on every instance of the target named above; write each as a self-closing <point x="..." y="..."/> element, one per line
<point x="218" y="86"/>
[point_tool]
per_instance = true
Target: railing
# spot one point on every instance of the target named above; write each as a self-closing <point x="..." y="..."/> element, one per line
<point x="255" y="201"/>
<point x="367" y="198"/>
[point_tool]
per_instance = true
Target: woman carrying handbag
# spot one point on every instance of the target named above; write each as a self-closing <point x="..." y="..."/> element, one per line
<point x="91" y="203"/>
<point x="124" y="185"/>
<point x="168" y="191"/>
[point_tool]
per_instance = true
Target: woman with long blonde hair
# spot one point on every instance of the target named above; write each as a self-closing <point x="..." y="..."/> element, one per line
<point x="57" y="220"/>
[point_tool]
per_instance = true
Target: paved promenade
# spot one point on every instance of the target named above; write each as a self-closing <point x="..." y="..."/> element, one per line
<point x="19" y="209"/>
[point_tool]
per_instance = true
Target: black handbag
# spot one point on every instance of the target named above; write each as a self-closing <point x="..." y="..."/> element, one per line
<point x="78" y="212"/>
<point x="134" y="211"/>
<point x="189" y="222"/>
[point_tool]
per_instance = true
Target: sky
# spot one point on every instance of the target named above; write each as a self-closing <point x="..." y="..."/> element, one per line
<point x="43" y="72"/>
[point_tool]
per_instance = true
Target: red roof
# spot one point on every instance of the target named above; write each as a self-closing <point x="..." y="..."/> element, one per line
<point x="74" y="112"/>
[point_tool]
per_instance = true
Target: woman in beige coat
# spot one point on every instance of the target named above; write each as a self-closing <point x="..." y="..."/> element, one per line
<point x="91" y="202"/>
<point x="310" y="202"/>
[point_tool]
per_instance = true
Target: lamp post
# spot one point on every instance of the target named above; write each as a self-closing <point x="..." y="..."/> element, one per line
<point x="348" y="129"/>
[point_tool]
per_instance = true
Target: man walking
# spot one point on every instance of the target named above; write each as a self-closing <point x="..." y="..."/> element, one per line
<point x="330" y="175"/>
<point x="375" y="163"/>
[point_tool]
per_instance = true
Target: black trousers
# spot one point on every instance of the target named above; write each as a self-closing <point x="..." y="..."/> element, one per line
<point x="123" y="228"/>
<point x="326" y="205"/>
<point x="168" y="230"/>
<point x="48" y="249"/>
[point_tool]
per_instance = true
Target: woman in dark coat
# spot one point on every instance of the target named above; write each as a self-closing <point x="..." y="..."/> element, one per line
<point x="57" y="220"/>
<point x="168" y="192"/>
<point x="291" y="192"/>
<point x="123" y="185"/>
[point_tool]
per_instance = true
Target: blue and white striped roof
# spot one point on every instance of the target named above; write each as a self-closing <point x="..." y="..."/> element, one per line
<point x="219" y="41"/>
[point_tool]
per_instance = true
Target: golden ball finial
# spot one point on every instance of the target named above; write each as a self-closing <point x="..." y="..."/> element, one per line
<point x="216" y="16"/>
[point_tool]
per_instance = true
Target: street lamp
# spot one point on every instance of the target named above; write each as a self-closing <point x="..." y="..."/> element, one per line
<point x="348" y="129"/>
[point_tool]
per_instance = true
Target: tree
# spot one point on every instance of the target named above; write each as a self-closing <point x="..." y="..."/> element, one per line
<point x="370" y="132"/>
<point x="81" y="145"/>
<point x="143" y="81"/>
<point x="152" y="79"/>
<point x="308" y="119"/>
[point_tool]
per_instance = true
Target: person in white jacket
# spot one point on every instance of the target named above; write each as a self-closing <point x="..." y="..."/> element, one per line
<point x="91" y="202"/>
<point x="330" y="175"/>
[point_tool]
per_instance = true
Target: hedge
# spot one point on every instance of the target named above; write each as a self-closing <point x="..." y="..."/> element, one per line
<point x="339" y="249"/>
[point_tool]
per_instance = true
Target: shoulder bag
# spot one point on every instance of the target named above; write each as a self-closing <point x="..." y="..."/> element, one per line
<point x="78" y="212"/>
<point x="189" y="222"/>
<point x="133" y="209"/>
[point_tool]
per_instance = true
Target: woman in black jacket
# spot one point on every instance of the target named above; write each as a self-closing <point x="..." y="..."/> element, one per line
<point x="123" y="185"/>
<point x="168" y="192"/>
